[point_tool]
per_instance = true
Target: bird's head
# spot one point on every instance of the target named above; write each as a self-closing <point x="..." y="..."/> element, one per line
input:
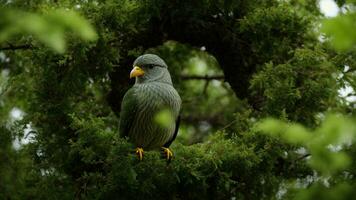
<point x="149" y="68"/>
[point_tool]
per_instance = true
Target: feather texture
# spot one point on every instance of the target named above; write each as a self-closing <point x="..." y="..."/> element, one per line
<point x="152" y="93"/>
<point x="140" y="106"/>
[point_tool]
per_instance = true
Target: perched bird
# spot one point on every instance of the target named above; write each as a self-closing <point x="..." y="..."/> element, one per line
<point x="152" y="93"/>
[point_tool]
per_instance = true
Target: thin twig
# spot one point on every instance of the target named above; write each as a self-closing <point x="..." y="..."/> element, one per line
<point x="302" y="157"/>
<point x="206" y="77"/>
<point x="228" y="125"/>
<point x="19" y="47"/>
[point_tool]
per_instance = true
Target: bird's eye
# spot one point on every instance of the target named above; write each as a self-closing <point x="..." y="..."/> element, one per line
<point x="151" y="66"/>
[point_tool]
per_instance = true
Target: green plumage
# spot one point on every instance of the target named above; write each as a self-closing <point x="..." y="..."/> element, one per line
<point x="151" y="93"/>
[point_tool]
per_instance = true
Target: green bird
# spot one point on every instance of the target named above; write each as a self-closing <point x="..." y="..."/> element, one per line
<point x="152" y="93"/>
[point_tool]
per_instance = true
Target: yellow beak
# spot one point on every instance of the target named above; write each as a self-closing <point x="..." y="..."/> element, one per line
<point x="136" y="72"/>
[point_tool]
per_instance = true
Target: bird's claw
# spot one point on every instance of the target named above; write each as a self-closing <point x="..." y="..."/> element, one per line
<point x="167" y="153"/>
<point x="139" y="152"/>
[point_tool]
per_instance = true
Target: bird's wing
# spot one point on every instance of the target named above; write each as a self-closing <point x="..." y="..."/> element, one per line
<point x="129" y="109"/>
<point x="174" y="134"/>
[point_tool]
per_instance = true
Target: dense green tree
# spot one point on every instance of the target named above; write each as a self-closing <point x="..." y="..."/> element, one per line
<point x="65" y="68"/>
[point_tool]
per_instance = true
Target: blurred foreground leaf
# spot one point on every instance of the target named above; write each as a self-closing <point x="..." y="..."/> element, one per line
<point x="164" y="118"/>
<point x="324" y="143"/>
<point x="49" y="28"/>
<point x="341" y="30"/>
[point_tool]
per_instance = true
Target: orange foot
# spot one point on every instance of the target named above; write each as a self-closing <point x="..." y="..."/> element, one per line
<point x="139" y="152"/>
<point x="167" y="153"/>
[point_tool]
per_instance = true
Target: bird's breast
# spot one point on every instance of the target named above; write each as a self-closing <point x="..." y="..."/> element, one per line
<point x="158" y="96"/>
<point x="152" y="98"/>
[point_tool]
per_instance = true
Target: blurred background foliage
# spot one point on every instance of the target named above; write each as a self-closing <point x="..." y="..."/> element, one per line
<point x="268" y="91"/>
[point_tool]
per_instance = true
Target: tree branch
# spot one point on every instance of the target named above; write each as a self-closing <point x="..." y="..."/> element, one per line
<point x="19" y="47"/>
<point x="206" y="77"/>
<point x="303" y="156"/>
<point x="214" y="120"/>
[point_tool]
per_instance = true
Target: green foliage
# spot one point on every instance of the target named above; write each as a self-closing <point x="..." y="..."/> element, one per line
<point x="233" y="62"/>
<point x="277" y="21"/>
<point x="298" y="89"/>
<point x="197" y="171"/>
<point x="322" y="143"/>
<point x="339" y="28"/>
<point x="49" y="28"/>
<point x="326" y="146"/>
<point x="340" y="191"/>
